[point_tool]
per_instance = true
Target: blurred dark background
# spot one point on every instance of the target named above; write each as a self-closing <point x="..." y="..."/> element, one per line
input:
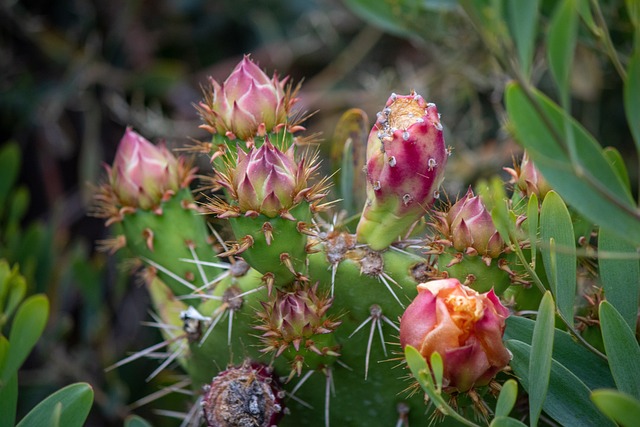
<point x="74" y="74"/>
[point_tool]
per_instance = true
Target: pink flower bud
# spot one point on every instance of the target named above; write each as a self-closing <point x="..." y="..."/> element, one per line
<point x="468" y="225"/>
<point x="143" y="173"/>
<point x="528" y="179"/>
<point x="246" y="99"/>
<point x="406" y="157"/>
<point x="463" y="326"/>
<point x="266" y="180"/>
<point x="292" y="318"/>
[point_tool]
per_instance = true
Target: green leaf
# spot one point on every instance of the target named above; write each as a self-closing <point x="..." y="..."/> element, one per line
<point x="622" y="350"/>
<point x="136" y="421"/>
<point x="348" y="153"/>
<point x="9" y="168"/>
<point x="632" y="94"/>
<point x="75" y="399"/>
<point x="593" y="188"/>
<point x="8" y="402"/>
<point x="437" y="367"/>
<point x="567" y="399"/>
<point x="620" y="277"/>
<point x="620" y="407"/>
<point x="561" y="42"/>
<point x="555" y="223"/>
<point x="503" y="421"/>
<point x="588" y="367"/>
<point x="617" y="163"/>
<point x="522" y="18"/>
<point x="532" y="221"/>
<point x="26" y="329"/>
<point x="540" y="362"/>
<point x="507" y="398"/>
<point x="417" y="363"/>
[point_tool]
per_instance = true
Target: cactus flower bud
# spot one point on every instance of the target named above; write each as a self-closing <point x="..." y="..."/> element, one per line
<point x="267" y="180"/>
<point x="463" y="326"/>
<point x="528" y="179"/>
<point x="142" y="173"/>
<point x="470" y="228"/>
<point x="245" y="100"/>
<point x="406" y="156"/>
<point x="293" y="318"/>
<point x="246" y="395"/>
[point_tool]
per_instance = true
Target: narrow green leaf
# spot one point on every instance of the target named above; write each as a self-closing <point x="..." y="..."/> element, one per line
<point x="620" y="277"/>
<point x="522" y="17"/>
<point x="417" y="364"/>
<point x="616" y="161"/>
<point x="561" y="42"/>
<point x="584" y="9"/>
<point x="506" y="398"/>
<point x="555" y="223"/>
<point x="8" y="390"/>
<point x="437" y="367"/>
<point x="136" y="421"/>
<point x="56" y="414"/>
<point x="622" y="350"/>
<point x="76" y="400"/>
<point x="632" y="95"/>
<point x="503" y="421"/>
<point x="588" y="367"/>
<point x="594" y="189"/>
<point x="26" y="329"/>
<point x="17" y="290"/>
<point x="532" y="220"/>
<point x="567" y="399"/>
<point x="348" y="152"/>
<point x="620" y="407"/>
<point x="540" y="362"/>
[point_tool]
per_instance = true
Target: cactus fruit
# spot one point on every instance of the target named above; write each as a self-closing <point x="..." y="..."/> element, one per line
<point x="302" y="311"/>
<point x="406" y="156"/>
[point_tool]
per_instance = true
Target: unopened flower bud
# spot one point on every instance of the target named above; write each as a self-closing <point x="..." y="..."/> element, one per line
<point x="143" y="173"/>
<point x="245" y="100"/>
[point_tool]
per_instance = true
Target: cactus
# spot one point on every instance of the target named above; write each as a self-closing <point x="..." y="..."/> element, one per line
<point x="296" y="319"/>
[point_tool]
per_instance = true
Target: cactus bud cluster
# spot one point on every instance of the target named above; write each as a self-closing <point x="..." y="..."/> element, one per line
<point x="406" y="156"/>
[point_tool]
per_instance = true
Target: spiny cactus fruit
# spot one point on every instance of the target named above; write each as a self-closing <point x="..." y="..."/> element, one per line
<point x="465" y="327"/>
<point x="405" y="163"/>
<point x="296" y="297"/>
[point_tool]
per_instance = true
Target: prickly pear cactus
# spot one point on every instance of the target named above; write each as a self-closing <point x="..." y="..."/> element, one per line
<point x="295" y="320"/>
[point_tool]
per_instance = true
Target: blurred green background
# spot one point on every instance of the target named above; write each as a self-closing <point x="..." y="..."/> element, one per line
<point x="74" y="74"/>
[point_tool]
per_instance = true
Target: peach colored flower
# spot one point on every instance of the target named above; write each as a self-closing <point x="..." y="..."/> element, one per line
<point x="464" y="326"/>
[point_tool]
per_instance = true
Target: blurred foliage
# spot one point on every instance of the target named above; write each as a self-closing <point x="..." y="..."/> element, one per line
<point x="73" y="74"/>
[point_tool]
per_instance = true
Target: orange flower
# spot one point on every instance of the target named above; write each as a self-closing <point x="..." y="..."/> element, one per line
<point x="464" y="326"/>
